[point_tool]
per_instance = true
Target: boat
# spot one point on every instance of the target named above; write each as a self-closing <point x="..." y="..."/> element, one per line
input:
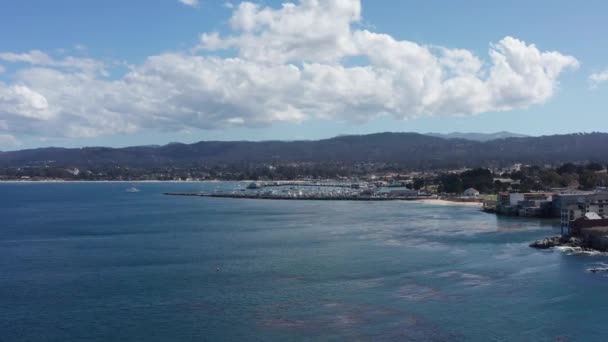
<point x="132" y="189"/>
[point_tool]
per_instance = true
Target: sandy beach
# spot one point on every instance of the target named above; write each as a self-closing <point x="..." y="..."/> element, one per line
<point x="446" y="202"/>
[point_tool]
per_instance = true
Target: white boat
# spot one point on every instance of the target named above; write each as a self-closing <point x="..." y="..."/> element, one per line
<point x="132" y="189"/>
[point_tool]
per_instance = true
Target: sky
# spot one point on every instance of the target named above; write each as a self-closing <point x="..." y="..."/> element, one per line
<point x="120" y="73"/>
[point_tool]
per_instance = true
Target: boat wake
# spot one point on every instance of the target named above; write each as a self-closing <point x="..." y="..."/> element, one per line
<point x="598" y="268"/>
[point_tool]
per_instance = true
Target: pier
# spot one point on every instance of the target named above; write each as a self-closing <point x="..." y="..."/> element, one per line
<point x="305" y="197"/>
<point x="260" y="185"/>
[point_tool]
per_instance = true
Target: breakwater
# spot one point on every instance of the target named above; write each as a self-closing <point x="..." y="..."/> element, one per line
<point x="308" y="197"/>
<point x="259" y="185"/>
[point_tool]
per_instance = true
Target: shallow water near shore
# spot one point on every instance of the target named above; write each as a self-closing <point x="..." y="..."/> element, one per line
<point x="89" y="261"/>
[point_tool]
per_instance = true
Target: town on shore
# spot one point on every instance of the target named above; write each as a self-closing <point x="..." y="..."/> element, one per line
<point x="574" y="194"/>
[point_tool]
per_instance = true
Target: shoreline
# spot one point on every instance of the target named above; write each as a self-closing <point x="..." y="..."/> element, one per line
<point x="427" y="201"/>
<point x="136" y="181"/>
<point x="112" y="181"/>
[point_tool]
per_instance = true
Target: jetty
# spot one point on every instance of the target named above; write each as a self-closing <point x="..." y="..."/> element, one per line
<point x="260" y="185"/>
<point x="303" y="197"/>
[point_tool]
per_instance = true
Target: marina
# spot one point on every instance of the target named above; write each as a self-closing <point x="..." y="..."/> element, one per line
<point x="309" y="197"/>
<point x="311" y="191"/>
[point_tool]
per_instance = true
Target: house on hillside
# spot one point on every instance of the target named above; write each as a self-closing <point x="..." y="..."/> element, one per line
<point x="471" y="192"/>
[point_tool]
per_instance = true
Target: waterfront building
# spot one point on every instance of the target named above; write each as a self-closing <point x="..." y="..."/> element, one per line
<point x="513" y="198"/>
<point x="506" y="199"/>
<point x="587" y="208"/>
<point x="531" y="204"/>
<point x="593" y="229"/>
<point x="534" y="208"/>
<point x="567" y="199"/>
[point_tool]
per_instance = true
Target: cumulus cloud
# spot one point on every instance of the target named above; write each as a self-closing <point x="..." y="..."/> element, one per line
<point x="318" y="31"/>
<point x="286" y="64"/>
<point x="598" y="77"/>
<point x="191" y="3"/>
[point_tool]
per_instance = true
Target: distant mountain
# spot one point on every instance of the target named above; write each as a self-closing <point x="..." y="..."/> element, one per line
<point x="411" y="150"/>
<point x="477" y="136"/>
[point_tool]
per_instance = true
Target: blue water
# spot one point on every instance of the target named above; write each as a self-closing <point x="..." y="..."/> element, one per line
<point x="92" y="262"/>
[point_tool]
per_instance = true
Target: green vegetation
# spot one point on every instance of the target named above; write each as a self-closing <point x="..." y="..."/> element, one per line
<point x="528" y="178"/>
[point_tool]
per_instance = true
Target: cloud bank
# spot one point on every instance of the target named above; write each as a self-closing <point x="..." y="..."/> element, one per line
<point x="302" y="61"/>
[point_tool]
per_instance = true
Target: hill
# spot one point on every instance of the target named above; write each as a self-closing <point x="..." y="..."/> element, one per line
<point x="412" y="150"/>
<point x="477" y="136"/>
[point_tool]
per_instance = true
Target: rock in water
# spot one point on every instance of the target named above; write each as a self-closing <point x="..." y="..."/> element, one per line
<point x="546" y="243"/>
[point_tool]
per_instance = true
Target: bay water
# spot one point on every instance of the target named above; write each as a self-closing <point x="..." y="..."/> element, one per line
<point x="91" y="262"/>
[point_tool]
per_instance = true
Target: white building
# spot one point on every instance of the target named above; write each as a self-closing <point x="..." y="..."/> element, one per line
<point x="470" y="192"/>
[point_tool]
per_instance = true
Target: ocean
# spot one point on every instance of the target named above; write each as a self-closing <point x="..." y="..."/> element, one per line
<point x="91" y="262"/>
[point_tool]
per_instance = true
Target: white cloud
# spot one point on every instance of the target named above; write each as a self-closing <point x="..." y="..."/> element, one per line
<point x="597" y="78"/>
<point x="191" y="3"/>
<point x="39" y="58"/>
<point x="313" y="31"/>
<point x="2" y="69"/>
<point x="21" y="101"/>
<point x="290" y="64"/>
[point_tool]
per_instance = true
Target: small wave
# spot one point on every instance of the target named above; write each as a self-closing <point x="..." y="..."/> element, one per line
<point x="467" y="278"/>
<point x="284" y="323"/>
<point x="415" y="242"/>
<point x="418" y="292"/>
<point x="579" y="251"/>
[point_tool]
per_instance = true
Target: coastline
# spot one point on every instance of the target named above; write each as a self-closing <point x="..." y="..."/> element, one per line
<point x="430" y="201"/>
<point x="113" y="181"/>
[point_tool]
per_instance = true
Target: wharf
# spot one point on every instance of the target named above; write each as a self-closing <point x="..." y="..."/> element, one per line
<point x="301" y="198"/>
<point x="259" y="185"/>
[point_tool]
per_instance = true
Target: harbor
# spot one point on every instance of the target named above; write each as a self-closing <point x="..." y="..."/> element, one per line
<point x="307" y="197"/>
<point x="311" y="191"/>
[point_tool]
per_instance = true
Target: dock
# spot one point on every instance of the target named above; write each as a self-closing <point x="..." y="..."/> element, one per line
<point x="313" y="197"/>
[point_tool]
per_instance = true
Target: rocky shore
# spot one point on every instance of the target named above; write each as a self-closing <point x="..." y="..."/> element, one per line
<point x="556" y="241"/>
<point x="562" y="241"/>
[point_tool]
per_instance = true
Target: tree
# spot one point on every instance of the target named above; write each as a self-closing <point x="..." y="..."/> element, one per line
<point x="567" y="168"/>
<point x="451" y="183"/>
<point x="594" y="167"/>
<point x="551" y="179"/>
<point x="480" y="179"/>
<point x="588" y="180"/>
<point x="570" y="180"/>
<point x="418" y="183"/>
<point x="500" y="186"/>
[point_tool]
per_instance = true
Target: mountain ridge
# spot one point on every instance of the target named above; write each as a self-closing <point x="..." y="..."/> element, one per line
<point x="478" y="136"/>
<point x="417" y="151"/>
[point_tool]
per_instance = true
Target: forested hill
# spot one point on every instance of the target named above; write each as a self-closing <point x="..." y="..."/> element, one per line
<point x="416" y="151"/>
<point x="477" y="136"/>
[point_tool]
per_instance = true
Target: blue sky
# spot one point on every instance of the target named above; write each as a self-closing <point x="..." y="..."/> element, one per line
<point x="123" y="35"/>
